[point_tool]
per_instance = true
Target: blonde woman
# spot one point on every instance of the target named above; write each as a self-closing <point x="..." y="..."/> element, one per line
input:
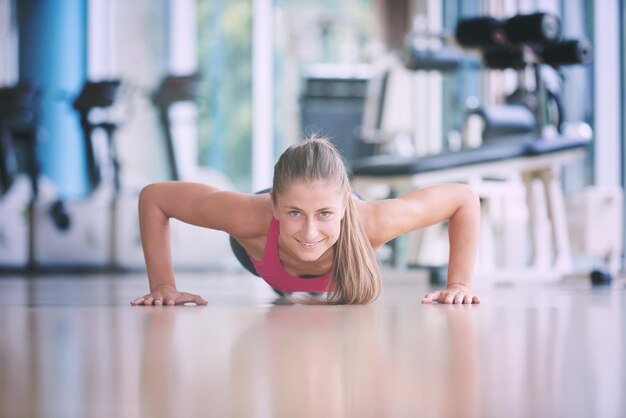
<point x="310" y="233"/>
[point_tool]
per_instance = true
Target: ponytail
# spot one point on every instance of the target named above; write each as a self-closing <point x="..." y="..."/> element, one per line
<point x="356" y="275"/>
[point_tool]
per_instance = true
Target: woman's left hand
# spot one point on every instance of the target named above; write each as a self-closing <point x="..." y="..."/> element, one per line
<point x="454" y="293"/>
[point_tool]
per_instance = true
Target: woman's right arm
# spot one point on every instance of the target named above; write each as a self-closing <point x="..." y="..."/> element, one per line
<point x="193" y="203"/>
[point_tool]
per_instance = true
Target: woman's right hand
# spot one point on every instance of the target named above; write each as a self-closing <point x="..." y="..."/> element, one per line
<point x="168" y="295"/>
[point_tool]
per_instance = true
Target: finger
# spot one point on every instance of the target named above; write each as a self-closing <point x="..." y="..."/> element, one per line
<point x="431" y="297"/>
<point x="449" y="298"/>
<point x="459" y="297"/>
<point x="148" y="300"/>
<point x="188" y="297"/>
<point x="137" y="301"/>
<point x="183" y="298"/>
<point x="199" y="301"/>
<point x="467" y="299"/>
<point x="170" y="302"/>
<point x="476" y="299"/>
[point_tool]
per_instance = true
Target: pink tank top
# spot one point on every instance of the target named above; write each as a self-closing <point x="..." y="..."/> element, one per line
<point x="273" y="272"/>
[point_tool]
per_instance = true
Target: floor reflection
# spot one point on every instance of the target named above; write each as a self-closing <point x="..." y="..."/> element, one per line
<point x="522" y="353"/>
<point x="320" y="361"/>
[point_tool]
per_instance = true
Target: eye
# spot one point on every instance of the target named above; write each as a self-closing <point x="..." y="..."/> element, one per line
<point x="293" y="213"/>
<point x="325" y="214"/>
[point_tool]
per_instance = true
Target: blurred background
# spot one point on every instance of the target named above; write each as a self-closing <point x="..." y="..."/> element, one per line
<point x="523" y="99"/>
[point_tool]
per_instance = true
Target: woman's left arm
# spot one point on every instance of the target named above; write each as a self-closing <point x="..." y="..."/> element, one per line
<point x="460" y="206"/>
<point x="463" y="233"/>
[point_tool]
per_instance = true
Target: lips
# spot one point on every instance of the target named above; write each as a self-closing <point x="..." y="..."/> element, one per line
<point x="309" y="244"/>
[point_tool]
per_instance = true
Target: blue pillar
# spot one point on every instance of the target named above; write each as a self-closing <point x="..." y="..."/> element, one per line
<point x="52" y="55"/>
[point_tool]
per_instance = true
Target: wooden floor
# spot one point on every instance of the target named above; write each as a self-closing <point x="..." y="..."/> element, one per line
<point x="72" y="346"/>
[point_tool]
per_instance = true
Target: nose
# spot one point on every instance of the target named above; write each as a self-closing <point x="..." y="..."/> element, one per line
<point x="311" y="231"/>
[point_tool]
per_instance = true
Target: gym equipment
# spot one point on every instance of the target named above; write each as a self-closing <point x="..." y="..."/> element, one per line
<point x="444" y="58"/>
<point x="332" y="105"/>
<point x="94" y="95"/>
<point x="600" y="277"/>
<point x="19" y="171"/>
<point x="596" y="223"/>
<point x="81" y="233"/>
<point x="569" y="52"/>
<point x="512" y="147"/>
<point x="192" y="247"/>
<point x="501" y="121"/>
<point x="519" y="43"/>
<point x="486" y="31"/>
<point x="100" y="231"/>
<point x="173" y="89"/>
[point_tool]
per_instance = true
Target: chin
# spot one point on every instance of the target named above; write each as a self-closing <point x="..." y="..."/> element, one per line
<point x="310" y="254"/>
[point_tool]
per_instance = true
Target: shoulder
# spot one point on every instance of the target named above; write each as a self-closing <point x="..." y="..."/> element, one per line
<point x="253" y="215"/>
<point x="250" y="214"/>
<point x="386" y="219"/>
<point x="381" y="219"/>
<point x="239" y="214"/>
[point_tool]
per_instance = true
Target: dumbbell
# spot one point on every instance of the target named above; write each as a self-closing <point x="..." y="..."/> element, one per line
<point x="480" y="32"/>
<point x="489" y="31"/>
<point x="500" y="58"/>
<point x="533" y="28"/>
<point x="600" y="277"/>
<point x="567" y="53"/>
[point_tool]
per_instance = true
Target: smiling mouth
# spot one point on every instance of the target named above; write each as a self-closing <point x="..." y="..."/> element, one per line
<point x="308" y="244"/>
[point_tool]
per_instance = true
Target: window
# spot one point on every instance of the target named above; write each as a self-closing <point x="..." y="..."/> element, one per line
<point x="225" y="63"/>
<point x="307" y="33"/>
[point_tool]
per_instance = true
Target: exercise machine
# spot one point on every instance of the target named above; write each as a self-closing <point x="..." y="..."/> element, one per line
<point x="19" y="172"/>
<point x="532" y="46"/>
<point x="521" y="143"/>
<point x="192" y="247"/>
<point x="80" y="233"/>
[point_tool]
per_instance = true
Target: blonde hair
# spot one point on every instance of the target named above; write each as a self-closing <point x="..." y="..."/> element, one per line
<point x="355" y="272"/>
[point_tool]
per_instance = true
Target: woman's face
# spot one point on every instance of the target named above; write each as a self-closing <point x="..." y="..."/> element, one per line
<point x="310" y="216"/>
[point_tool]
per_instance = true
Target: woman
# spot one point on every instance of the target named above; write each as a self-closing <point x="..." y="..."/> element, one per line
<point x="309" y="233"/>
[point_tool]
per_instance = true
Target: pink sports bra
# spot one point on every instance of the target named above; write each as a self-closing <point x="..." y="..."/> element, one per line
<point x="272" y="271"/>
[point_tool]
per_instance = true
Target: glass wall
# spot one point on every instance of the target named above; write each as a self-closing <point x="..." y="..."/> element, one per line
<point x="134" y="48"/>
<point x="305" y="32"/>
<point x="623" y="106"/>
<point x="225" y="63"/>
<point x="334" y="35"/>
<point x="329" y="38"/>
<point x="8" y="43"/>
